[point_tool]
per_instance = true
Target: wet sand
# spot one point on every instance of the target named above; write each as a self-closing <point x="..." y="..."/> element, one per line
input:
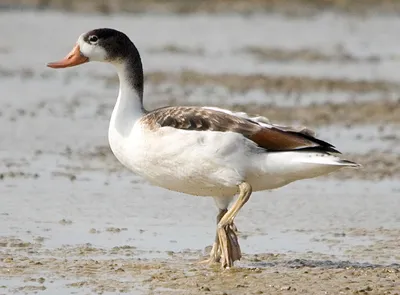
<point x="74" y="221"/>
<point x="83" y="270"/>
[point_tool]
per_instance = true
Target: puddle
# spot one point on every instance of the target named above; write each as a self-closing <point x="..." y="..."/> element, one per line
<point x="153" y="219"/>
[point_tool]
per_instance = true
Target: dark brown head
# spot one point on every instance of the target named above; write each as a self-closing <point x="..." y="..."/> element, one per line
<point x="105" y="45"/>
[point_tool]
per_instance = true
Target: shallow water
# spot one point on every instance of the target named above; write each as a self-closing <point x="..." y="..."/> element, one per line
<point x="60" y="187"/>
<point x="159" y="220"/>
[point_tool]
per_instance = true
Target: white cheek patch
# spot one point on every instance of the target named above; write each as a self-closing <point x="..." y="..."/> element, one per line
<point x="93" y="52"/>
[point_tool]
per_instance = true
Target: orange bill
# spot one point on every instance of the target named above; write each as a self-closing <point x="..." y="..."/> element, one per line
<point x="73" y="58"/>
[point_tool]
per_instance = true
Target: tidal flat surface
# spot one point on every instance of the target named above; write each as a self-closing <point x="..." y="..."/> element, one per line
<point x="74" y="221"/>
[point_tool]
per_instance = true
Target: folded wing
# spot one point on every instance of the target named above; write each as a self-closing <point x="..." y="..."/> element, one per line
<point x="268" y="136"/>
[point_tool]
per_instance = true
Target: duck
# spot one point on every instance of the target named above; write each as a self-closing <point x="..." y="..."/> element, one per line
<point x="201" y="150"/>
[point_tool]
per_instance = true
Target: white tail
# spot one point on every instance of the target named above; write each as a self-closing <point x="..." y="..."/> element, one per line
<point x="297" y="165"/>
<point x="323" y="159"/>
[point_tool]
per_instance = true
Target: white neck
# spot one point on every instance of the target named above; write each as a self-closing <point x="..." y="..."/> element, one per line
<point x="129" y="106"/>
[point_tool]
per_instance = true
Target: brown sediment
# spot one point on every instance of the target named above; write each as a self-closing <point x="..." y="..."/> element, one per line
<point x="285" y="84"/>
<point x="306" y="55"/>
<point x="297" y="280"/>
<point x="370" y="112"/>
<point x="79" y="268"/>
<point x="280" y="55"/>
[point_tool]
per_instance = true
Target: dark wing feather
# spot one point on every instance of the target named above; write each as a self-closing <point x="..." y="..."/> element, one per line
<point x="203" y="119"/>
<point x="274" y="139"/>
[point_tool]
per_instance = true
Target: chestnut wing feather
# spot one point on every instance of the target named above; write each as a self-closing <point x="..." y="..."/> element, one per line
<point x="201" y="119"/>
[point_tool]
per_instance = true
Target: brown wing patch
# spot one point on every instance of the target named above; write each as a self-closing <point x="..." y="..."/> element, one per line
<point x="275" y="139"/>
<point x="202" y="119"/>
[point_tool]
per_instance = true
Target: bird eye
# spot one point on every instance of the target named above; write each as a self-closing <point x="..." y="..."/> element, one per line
<point x="93" y="39"/>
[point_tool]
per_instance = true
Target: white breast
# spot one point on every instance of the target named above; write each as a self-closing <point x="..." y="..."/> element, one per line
<point x="193" y="162"/>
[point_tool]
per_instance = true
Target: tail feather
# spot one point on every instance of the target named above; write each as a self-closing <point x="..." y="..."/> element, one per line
<point x="326" y="159"/>
<point x="306" y="164"/>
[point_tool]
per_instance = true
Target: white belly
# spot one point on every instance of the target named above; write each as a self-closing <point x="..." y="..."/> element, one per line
<point x="205" y="163"/>
<point x="183" y="161"/>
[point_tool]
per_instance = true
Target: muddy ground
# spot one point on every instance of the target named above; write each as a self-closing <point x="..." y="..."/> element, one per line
<point x="121" y="271"/>
<point x="74" y="221"/>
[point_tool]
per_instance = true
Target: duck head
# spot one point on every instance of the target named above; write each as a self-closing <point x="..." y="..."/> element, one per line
<point x="104" y="45"/>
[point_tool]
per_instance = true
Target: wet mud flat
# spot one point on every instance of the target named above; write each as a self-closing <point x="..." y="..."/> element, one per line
<point x="73" y="220"/>
<point x="31" y="268"/>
